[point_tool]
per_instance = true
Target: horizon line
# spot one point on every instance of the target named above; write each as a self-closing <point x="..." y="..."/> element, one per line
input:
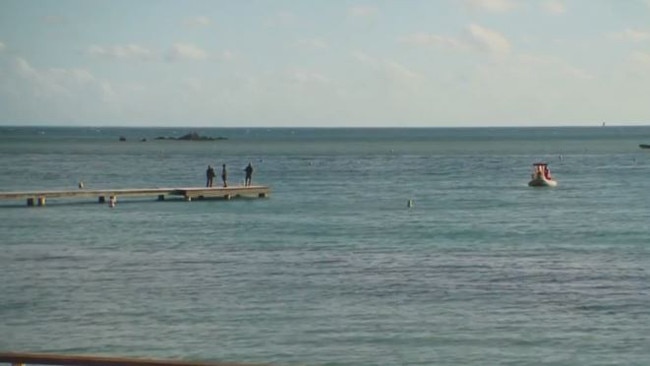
<point x="319" y="127"/>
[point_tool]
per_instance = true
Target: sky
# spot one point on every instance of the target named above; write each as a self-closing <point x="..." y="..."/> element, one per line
<point x="324" y="63"/>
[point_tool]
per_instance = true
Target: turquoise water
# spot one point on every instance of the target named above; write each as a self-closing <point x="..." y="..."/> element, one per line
<point x="333" y="268"/>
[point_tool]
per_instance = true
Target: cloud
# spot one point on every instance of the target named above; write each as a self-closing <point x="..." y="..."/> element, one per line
<point x="365" y="59"/>
<point x="426" y="39"/>
<point x="2" y="46"/>
<point x="554" y="7"/>
<point x="487" y="39"/>
<point x="186" y="51"/>
<point x="475" y="38"/>
<point x="177" y="52"/>
<point x="363" y="11"/>
<point x="398" y="71"/>
<point x="197" y="22"/>
<point x="641" y="58"/>
<point x="536" y="64"/>
<point x="226" y="55"/>
<point x="125" y="52"/>
<point x="54" y="93"/>
<point x="631" y="35"/>
<point x="492" y="6"/>
<point x="389" y="69"/>
<point x="308" y="77"/>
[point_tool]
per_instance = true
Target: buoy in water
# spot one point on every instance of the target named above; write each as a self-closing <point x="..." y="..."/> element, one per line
<point x="410" y="203"/>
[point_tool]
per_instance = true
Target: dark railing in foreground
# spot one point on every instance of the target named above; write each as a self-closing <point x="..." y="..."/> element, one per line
<point x="21" y="359"/>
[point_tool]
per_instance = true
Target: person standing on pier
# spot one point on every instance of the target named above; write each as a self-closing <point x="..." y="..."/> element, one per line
<point x="224" y="175"/>
<point x="249" y="174"/>
<point x="210" y="175"/>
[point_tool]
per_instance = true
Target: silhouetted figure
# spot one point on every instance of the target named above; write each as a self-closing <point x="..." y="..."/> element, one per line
<point x="249" y="174"/>
<point x="210" y="174"/>
<point x="224" y="175"/>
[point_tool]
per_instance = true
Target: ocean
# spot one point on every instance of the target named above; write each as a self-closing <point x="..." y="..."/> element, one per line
<point x="332" y="268"/>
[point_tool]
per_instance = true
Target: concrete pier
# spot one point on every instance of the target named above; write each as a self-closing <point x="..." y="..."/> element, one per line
<point x="39" y="198"/>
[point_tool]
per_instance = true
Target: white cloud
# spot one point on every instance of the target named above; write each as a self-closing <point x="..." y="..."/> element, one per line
<point x="631" y="35"/>
<point x="488" y="40"/>
<point x="60" y="95"/>
<point x="226" y="55"/>
<point x="641" y="58"/>
<point x="22" y="68"/>
<point x="551" y="65"/>
<point x="475" y="38"/>
<point x="493" y="6"/>
<point x="198" y="22"/>
<point x="389" y="69"/>
<point x="398" y="71"/>
<point x="363" y="11"/>
<point x="426" y="39"/>
<point x="186" y="51"/>
<point x="366" y="59"/>
<point x="554" y="7"/>
<point x="130" y="51"/>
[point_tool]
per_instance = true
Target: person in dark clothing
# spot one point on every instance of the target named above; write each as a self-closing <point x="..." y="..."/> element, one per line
<point x="249" y="174"/>
<point x="224" y="175"/>
<point x="210" y="175"/>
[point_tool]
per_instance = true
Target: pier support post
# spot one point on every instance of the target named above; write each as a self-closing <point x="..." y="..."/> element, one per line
<point x="161" y="197"/>
<point x="226" y="197"/>
<point x="188" y="198"/>
<point x="30" y="201"/>
<point x="101" y="199"/>
<point x="41" y="201"/>
<point x="261" y="195"/>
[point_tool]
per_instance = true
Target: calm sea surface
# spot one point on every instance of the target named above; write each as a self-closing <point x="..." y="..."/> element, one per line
<point x="333" y="268"/>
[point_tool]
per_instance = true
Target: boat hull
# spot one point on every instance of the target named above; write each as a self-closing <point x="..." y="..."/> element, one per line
<point x="542" y="182"/>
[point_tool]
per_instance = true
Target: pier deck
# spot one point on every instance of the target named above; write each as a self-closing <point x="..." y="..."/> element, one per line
<point x="22" y="359"/>
<point x="188" y="193"/>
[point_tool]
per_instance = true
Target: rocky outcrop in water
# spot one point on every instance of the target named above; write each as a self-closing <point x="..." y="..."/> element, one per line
<point x="192" y="136"/>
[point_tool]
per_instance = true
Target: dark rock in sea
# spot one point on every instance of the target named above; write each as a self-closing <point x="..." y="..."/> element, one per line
<point x="122" y="138"/>
<point x="193" y="136"/>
